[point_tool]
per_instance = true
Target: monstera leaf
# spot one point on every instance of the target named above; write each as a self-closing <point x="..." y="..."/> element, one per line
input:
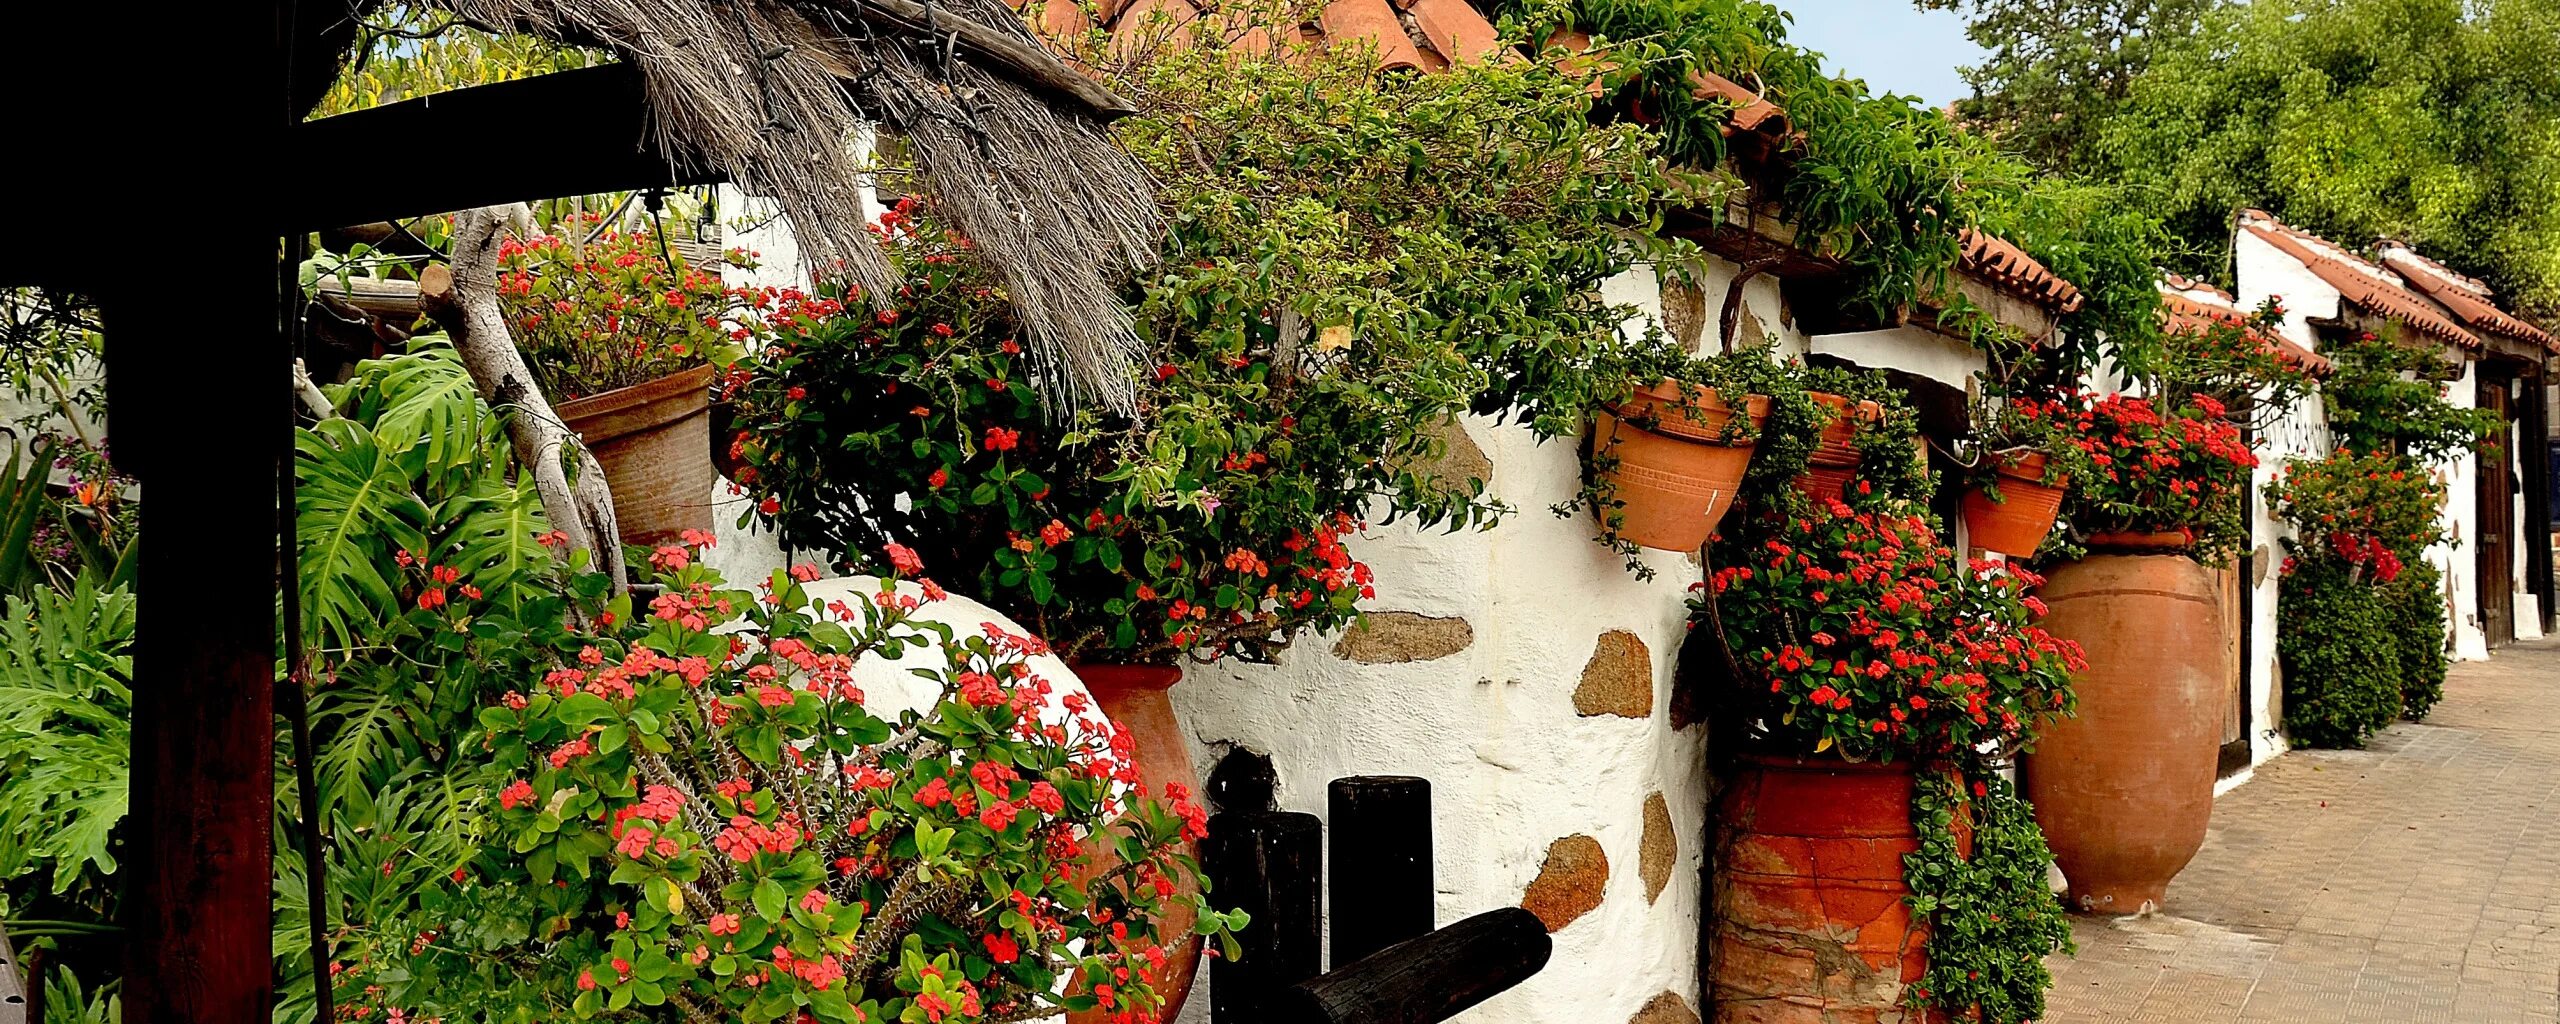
<point x="65" y="731"/>
<point x="355" y="507"/>
<point x="425" y="401"/>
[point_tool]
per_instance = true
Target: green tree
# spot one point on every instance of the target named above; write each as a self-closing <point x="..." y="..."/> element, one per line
<point x="2057" y="68"/>
<point x="2432" y="121"/>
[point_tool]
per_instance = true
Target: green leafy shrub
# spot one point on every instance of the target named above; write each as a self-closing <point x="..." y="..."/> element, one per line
<point x="2414" y="619"/>
<point x="2389" y="394"/>
<point x="617" y="309"/>
<point x="2160" y="469"/>
<point x="2342" y="665"/>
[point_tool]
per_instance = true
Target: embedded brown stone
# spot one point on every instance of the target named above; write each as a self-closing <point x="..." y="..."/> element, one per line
<point x="1382" y="638"/>
<point x="1570" y="883"/>
<point x="1618" y="680"/>
<point x="1684" y="310"/>
<point x="1461" y="459"/>
<point x="1747" y="330"/>
<point x="1667" y="1008"/>
<point x="1660" y="848"/>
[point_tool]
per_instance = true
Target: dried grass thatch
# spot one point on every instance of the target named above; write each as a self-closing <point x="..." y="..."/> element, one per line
<point x="1011" y="144"/>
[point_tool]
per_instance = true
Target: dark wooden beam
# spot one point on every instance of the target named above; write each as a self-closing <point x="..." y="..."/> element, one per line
<point x="1425" y="980"/>
<point x="593" y="125"/>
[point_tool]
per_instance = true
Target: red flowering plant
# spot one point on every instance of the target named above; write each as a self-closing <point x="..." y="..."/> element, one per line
<point x="727" y="825"/>
<point x="2156" y="469"/>
<point x="1861" y="631"/>
<point x="620" y="308"/>
<point x="2374" y="512"/>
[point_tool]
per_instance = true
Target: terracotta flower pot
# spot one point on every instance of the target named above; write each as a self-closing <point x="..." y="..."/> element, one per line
<point x="654" y="441"/>
<point x="1835" y="455"/>
<point x="2123" y="790"/>
<point x="1139" y="697"/>
<point x="1811" y="924"/>
<point x="1678" y="476"/>
<point x="2017" y="524"/>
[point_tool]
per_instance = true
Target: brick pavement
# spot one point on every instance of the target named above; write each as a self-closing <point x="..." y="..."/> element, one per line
<point x="2414" y="881"/>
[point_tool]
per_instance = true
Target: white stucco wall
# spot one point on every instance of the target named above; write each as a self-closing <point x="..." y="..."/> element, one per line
<point x="2455" y="557"/>
<point x="1513" y="765"/>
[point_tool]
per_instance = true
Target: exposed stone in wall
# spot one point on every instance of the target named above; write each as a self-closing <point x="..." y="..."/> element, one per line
<point x="1747" y="330"/>
<point x="1667" y="1008"/>
<point x="1460" y="461"/>
<point x="1618" y="680"/>
<point x="1660" y="848"/>
<point x="1392" y="637"/>
<point x="1570" y="883"/>
<point x="1684" y="310"/>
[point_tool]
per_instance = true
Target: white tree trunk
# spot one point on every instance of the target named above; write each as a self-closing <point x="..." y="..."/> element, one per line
<point x="580" y="508"/>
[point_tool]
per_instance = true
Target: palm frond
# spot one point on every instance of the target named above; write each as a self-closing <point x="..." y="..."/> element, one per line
<point x="354" y="508"/>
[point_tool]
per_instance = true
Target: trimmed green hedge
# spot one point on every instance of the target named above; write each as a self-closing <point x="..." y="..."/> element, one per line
<point x="2342" y="660"/>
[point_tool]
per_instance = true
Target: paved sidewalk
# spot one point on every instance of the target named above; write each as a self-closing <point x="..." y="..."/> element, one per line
<point x="2414" y="881"/>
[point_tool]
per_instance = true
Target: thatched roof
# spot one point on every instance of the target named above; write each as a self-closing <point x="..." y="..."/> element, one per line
<point x="1011" y="145"/>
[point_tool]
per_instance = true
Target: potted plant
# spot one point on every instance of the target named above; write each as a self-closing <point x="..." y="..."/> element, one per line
<point x="1881" y="680"/>
<point x="2023" y="463"/>
<point x="1867" y="431"/>
<point x="623" y="337"/>
<point x="2124" y="789"/>
<point x="1667" y="459"/>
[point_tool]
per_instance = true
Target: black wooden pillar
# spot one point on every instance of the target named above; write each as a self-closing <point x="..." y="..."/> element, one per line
<point x="1378" y="836"/>
<point x="1270" y="864"/>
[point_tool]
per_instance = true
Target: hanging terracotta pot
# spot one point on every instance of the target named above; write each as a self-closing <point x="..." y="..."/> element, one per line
<point x="1812" y="924"/>
<point x="654" y="441"/>
<point x="1835" y="454"/>
<point x="2017" y="524"/>
<point x="1676" y="474"/>
<point x="2124" y="788"/>
<point x="1139" y="697"/>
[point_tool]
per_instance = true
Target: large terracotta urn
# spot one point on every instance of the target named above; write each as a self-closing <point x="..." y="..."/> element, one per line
<point x="2124" y="788"/>
<point x="1140" y="698"/>
<point x="1674" y="469"/>
<point x="654" y="442"/>
<point x="1811" y="923"/>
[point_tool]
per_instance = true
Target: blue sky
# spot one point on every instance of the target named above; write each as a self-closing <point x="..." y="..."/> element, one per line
<point x="1894" y="46"/>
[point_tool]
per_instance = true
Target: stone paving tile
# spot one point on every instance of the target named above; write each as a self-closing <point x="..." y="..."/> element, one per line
<point x="2413" y="882"/>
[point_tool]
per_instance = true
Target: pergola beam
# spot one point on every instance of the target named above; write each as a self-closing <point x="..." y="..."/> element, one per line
<point x="594" y="125"/>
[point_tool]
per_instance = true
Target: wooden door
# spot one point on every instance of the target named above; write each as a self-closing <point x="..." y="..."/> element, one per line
<point x="2496" y="543"/>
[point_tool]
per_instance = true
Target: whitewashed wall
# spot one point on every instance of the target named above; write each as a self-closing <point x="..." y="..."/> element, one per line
<point x="1540" y="712"/>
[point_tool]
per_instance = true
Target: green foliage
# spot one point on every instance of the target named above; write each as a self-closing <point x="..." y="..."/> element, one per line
<point x="2361" y="507"/>
<point x="2342" y="669"/>
<point x="2389" y="394"/>
<point x="409" y="50"/>
<point x="2436" y="122"/>
<point x="1992" y="917"/>
<point x="593" y="314"/>
<point x="65" y="741"/>
<point x="66" y="1001"/>
<point x="2158" y="469"/>
<point x="1354" y="262"/>
<point x="2413" y="609"/>
<point x="2056" y="68"/>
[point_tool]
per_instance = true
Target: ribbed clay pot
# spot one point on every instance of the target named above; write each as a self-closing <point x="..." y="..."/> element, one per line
<point x="1835" y="457"/>
<point x="1140" y="698"/>
<point x="1676" y="473"/>
<point x="1811" y="924"/>
<point x="2123" y="789"/>
<point x="2017" y="524"/>
<point x="654" y="441"/>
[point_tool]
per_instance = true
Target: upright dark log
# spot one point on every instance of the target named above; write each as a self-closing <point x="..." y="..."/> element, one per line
<point x="209" y="421"/>
<point x="1378" y="836"/>
<point x="1270" y="864"/>
<point x="1425" y="980"/>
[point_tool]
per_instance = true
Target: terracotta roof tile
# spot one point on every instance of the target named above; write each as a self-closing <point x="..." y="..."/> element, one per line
<point x="2186" y="306"/>
<point x="2360" y="282"/>
<point x="1996" y="260"/>
<point x="2468" y="299"/>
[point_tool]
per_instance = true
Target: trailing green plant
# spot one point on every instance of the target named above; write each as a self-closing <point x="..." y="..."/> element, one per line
<point x="2389" y="394"/>
<point x="1354" y="263"/>
<point x="1878" y="641"/>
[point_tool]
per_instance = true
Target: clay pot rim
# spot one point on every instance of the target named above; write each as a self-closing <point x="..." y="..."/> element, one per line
<point x="1134" y="677"/>
<point x="631" y="398"/>
<point x="2176" y="541"/>
<point x="1825" y="761"/>
<point x="2028" y="468"/>
<point x="1671" y="392"/>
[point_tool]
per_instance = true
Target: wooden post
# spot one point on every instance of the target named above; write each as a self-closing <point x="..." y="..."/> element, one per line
<point x="200" y="397"/>
<point x="1270" y="864"/>
<point x="1378" y="836"/>
<point x="16" y="1007"/>
<point x="1425" y="980"/>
